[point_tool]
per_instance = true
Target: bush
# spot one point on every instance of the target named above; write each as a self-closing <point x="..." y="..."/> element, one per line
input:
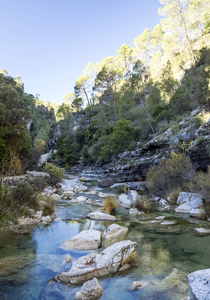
<point x="201" y="184"/>
<point x="40" y="183"/>
<point x="110" y="205"/>
<point x="56" y="174"/>
<point x="48" y="208"/>
<point x="24" y="194"/>
<point x="174" y="172"/>
<point x="174" y="194"/>
<point x="142" y="203"/>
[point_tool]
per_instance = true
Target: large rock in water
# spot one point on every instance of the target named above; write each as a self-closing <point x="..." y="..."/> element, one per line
<point x="189" y="202"/>
<point x="97" y="215"/>
<point x="199" y="283"/>
<point x="108" y="262"/>
<point x="85" y="240"/>
<point x="90" y="290"/>
<point x="113" y="231"/>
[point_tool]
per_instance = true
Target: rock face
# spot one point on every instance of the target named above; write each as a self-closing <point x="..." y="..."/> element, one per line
<point x="189" y="202"/>
<point x="90" y="290"/>
<point x="199" y="283"/>
<point x="97" y="215"/>
<point x="85" y="240"/>
<point x="108" y="262"/>
<point x="113" y="231"/>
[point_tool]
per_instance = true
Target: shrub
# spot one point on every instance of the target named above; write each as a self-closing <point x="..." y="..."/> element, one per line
<point x="40" y="183"/>
<point x="174" y="194"/>
<point x="202" y="184"/>
<point x="110" y="205"/>
<point x="56" y="174"/>
<point x="142" y="203"/>
<point x="24" y="194"/>
<point x="174" y="172"/>
<point x="48" y="208"/>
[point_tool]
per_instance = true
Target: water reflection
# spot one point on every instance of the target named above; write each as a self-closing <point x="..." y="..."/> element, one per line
<point x="164" y="258"/>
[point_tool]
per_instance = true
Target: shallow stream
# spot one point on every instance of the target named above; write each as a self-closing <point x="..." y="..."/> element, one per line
<point x="165" y="256"/>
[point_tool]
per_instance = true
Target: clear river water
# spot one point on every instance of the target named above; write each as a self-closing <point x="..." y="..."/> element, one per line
<point x="165" y="256"/>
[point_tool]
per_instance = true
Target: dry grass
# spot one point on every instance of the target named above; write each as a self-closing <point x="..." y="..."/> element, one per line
<point x="110" y="205"/>
<point x="174" y="194"/>
<point x="142" y="203"/>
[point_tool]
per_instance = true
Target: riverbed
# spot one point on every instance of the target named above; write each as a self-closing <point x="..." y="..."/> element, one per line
<point x="165" y="256"/>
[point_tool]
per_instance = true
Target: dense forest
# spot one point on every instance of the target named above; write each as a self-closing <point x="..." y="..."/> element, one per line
<point x="117" y="103"/>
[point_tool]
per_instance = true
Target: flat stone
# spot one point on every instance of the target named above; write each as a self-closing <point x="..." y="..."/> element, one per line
<point x="81" y="199"/>
<point x="199" y="282"/>
<point x="169" y="231"/>
<point x="97" y="215"/>
<point x="85" y="240"/>
<point x="104" y="195"/>
<point x="168" y="223"/>
<point x="114" y="231"/>
<point x="202" y="231"/>
<point x="161" y="218"/>
<point x="108" y="262"/>
<point x="197" y="213"/>
<point x="90" y="290"/>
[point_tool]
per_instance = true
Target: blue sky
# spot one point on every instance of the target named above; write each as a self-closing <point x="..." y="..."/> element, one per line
<point x="48" y="43"/>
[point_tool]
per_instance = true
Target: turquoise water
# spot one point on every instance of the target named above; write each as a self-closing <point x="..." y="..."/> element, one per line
<point x="163" y="261"/>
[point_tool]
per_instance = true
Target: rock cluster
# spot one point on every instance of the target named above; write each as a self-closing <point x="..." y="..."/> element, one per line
<point x="108" y="262"/>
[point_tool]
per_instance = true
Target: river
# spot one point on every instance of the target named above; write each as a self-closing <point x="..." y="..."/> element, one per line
<point x="165" y="256"/>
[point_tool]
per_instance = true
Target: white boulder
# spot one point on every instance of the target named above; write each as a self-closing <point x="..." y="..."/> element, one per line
<point x="108" y="262"/>
<point x="97" y="215"/>
<point x="114" y="231"/>
<point x="185" y="197"/>
<point x="90" y="290"/>
<point x="81" y="199"/>
<point x="202" y="231"/>
<point x="85" y="240"/>
<point x="133" y="196"/>
<point x="125" y="201"/>
<point x="199" y="282"/>
<point x="189" y="202"/>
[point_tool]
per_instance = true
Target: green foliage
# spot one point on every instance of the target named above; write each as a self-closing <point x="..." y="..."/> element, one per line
<point x="15" y="202"/>
<point x="121" y="136"/>
<point x="24" y="194"/>
<point x="15" y="143"/>
<point x="56" y="174"/>
<point x="110" y="205"/>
